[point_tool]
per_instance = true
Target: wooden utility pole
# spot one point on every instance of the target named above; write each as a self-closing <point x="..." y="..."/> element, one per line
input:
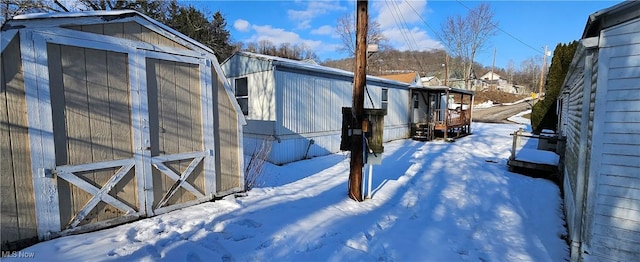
<point x="493" y="65"/>
<point x="544" y="64"/>
<point x="360" y="76"/>
<point x="446" y="69"/>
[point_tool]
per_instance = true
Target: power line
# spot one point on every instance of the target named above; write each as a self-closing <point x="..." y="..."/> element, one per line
<point x="424" y="21"/>
<point x="402" y="25"/>
<point x="507" y="33"/>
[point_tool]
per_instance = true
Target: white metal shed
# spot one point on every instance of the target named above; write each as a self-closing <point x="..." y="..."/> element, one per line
<point x="599" y="110"/>
<point x="298" y="104"/>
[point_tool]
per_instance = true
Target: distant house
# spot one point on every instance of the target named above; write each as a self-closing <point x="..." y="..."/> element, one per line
<point x="413" y="78"/>
<point x="599" y="107"/>
<point x="296" y="107"/>
<point x="107" y="117"/>
<point x="493" y="80"/>
<point x="490" y="76"/>
<point x="431" y="81"/>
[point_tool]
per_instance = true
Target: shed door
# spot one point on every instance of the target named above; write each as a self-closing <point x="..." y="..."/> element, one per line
<point x="91" y="111"/>
<point x="177" y="143"/>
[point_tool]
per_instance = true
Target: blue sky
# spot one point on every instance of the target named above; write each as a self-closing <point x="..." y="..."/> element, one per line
<point x="525" y="26"/>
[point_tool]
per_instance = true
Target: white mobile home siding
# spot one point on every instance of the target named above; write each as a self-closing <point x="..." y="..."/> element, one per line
<point x="308" y="105"/>
<point x="601" y="120"/>
<point x="616" y="145"/>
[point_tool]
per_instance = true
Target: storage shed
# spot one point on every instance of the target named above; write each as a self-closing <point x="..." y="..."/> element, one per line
<point x="108" y="117"/>
<point x="600" y="117"/>
<point x="296" y="106"/>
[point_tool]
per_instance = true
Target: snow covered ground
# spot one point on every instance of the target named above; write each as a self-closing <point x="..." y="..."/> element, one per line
<point x="433" y="201"/>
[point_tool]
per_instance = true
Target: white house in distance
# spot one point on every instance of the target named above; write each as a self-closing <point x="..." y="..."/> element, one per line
<point x="490" y="76"/>
<point x="298" y="105"/>
<point x="491" y="79"/>
<point x="431" y="81"/>
<point x="599" y="110"/>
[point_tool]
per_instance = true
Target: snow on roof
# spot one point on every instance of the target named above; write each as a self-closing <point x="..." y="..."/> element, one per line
<point x="73" y="14"/>
<point x="295" y="64"/>
<point x="112" y="13"/>
<point x="427" y="78"/>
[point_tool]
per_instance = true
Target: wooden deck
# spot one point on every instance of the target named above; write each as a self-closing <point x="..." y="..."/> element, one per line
<point x="441" y="111"/>
<point x="537" y="166"/>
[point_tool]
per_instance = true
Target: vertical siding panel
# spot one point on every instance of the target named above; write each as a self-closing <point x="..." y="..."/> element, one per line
<point x="77" y="121"/>
<point x="60" y="135"/>
<point x="194" y="97"/>
<point x="153" y="93"/>
<point x="170" y="122"/>
<point x="96" y="28"/>
<point x="132" y="31"/>
<point x="183" y="120"/>
<point x="114" y="29"/>
<point x="227" y="145"/>
<point x="101" y="144"/>
<point x="11" y="96"/>
<point x="20" y="144"/>
<point x="120" y="123"/>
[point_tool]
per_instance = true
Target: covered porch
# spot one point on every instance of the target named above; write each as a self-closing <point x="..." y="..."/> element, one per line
<point x="440" y="111"/>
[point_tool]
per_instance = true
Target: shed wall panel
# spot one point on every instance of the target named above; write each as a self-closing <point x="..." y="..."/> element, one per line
<point x="228" y="165"/>
<point x="174" y="88"/>
<point x="128" y="30"/>
<point x="18" y="207"/>
<point x="91" y="124"/>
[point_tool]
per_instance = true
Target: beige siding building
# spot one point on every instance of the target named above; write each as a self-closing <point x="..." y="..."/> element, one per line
<point x="108" y="117"/>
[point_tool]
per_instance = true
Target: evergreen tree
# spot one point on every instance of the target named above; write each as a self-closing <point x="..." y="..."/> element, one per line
<point x="221" y="37"/>
<point x="543" y="114"/>
<point x="193" y="23"/>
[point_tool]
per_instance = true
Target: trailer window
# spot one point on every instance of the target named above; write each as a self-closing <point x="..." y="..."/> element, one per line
<point x="242" y="94"/>
<point x="385" y="98"/>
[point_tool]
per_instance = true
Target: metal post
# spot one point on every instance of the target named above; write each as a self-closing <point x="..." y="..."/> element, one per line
<point x="369" y="182"/>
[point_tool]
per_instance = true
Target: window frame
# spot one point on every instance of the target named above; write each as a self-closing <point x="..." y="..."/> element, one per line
<point x="241" y="97"/>
<point x="384" y="97"/>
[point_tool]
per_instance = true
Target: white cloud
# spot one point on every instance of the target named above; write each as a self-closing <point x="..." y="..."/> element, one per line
<point x="418" y="40"/>
<point x="391" y="13"/>
<point x="313" y="9"/>
<point x="395" y="16"/>
<point x="241" y="25"/>
<point x="323" y="30"/>
<point x="279" y="36"/>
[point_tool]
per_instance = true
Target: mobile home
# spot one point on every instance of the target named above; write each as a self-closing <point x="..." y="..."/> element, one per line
<point x="599" y="114"/>
<point x="297" y="105"/>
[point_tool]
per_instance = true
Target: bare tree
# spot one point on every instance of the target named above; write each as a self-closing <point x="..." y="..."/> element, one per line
<point x="346" y="29"/>
<point x="511" y="69"/>
<point x="299" y="51"/>
<point x="11" y="8"/>
<point x="529" y="71"/>
<point x="465" y="36"/>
